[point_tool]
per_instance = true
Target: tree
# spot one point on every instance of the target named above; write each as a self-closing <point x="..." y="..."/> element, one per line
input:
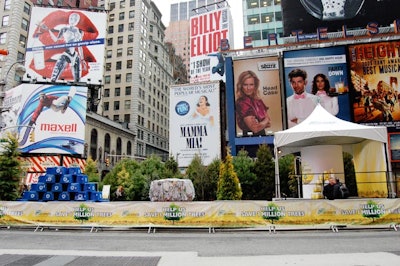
<point x="172" y="169"/>
<point x="228" y="183"/>
<point x="10" y="169"/>
<point x="91" y="170"/>
<point x="264" y="168"/>
<point x="349" y="174"/>
<point x="211" y="177"/>
<point x="196" y="172"/>
<point x="244" y="166"/>
<point x="288" y="181"/>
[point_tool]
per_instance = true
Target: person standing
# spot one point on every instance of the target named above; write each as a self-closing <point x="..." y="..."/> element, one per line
<point x="321" y="87"/>
<point x="301" y="104"/>
<point x="251" y="112"/>
<point x="332" y="189"/>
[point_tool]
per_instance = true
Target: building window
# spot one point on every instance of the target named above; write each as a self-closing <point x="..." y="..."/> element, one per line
<point x="116" y="118"/>
<point x="119" y="52"/>
<point x="118" y="78"/>
<point x="130" y="38"/>
<point x="116" y="105"/>
<point x="25" y="24"/>
<point x="27" y="8"/>
<point x="128" y="77"/>
<point x="127" y="118"/>
<point x="22" y="41"/>
<point x="106" y="106"/>
<point x="107" y="79"/>
<point x="120" y="39"/>
<point x="109" y="41"/>
<point x="128" y="90"/>
<point x="122" y="4"/>
<point x="130" y="51"/>
<point x="5" y="21"/>
<point x="127" y="104"/>
<point x="117" y="92"/>
<point x="121" y="28"/>
<point x="111" y="19"/>
<point x="7" y="5"/>
<point x="111" y="29"/>
<point x="108" y="66"/>
<point x="119" y="65"/>
<point x="121" y="16"/>
<point x="109" y="54"/>
<point x="132" y="3"/>
<point x="129" y="64"/>
<point x="132" y="14"/>
<point x="107" y="93"/>
<point x="131" y="26"/>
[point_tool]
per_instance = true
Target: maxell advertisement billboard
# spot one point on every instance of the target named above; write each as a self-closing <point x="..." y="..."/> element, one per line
<point x="375" y="76"/>
<point x="46" y="118"/>
<point x="65" y="45"/>
<point x="210" y="36"/>
<point x="257" y="97"/>
<point x="316" y="76"/>
<point x="195" y="122"/>
<point x="307" y="15"/>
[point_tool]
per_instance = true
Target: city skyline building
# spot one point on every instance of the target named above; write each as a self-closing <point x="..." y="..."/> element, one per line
<point x="261" y="20"/>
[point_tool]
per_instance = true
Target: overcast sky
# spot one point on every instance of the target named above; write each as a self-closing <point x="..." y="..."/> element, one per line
<point x="236" y="9"/>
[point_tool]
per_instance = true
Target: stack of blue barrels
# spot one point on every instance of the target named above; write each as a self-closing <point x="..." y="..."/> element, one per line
<point x="63" y="184"/>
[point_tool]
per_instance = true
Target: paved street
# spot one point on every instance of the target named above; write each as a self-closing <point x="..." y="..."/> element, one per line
<point x="189" y="247"/>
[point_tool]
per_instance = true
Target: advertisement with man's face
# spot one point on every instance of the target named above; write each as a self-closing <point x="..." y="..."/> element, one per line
<point x="257" y="97"/>
<point x="308" y="15"/>
<point x="375" y="76"/>
<point x="194" y="127"/>
<point x="46" y="118"/>
<point x="316" y="76"/>
<point x="65" y="45"/>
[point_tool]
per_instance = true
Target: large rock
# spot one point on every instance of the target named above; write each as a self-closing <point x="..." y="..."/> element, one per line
<point x="172" y="189"/>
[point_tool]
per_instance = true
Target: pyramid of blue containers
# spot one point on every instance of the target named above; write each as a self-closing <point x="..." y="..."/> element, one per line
<point x="63" y="184"/>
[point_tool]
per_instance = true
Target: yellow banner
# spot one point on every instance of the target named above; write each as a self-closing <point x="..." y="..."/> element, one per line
<point x="209" y="214"/>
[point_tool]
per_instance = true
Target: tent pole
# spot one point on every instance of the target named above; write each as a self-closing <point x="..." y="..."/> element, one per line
<point x="277" y="181"/>
<point x="392" y="190"/>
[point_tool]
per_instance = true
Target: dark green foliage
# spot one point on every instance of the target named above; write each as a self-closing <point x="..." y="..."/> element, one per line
<point x="196" y="172"/>
<point x="10" y="169"/>
<point x="212" y="176"/>
<point x="91" y="170"/>
<point x="288" y="180"/>
<point x="228" y="183"/>
<point x="264" y="169"/>
<point x="171" y="169"/>
<point x="350" y="174"/>
<point x="244" y="166"/>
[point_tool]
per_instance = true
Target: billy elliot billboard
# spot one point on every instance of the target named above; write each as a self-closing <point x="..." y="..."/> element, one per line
<point x="257" y="96"/>
<point x="211" y="35"/>
<point x="307" y="15"/>
<point x="316" y="76"/>
<point x="46" y="118"/>
<point x="66" y="45"/>
<point x="375" y="76"/>
<point x="195" y="122"/>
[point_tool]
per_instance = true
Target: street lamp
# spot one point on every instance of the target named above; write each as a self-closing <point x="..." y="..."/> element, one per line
<point x="19" y="70"/>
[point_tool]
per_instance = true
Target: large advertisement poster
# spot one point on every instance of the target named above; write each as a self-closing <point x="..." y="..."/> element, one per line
<point x="65" y="45"/>
<point x="257" y="97"/>
<point x="316" y="76"/>
<point x="46" y="118"/>
<point x="308" y="15"/>
<point x="210" y="34"/>
<point x="375" y="76"/>
<point x="67" y="3"/>
<point x="195" y="122"/>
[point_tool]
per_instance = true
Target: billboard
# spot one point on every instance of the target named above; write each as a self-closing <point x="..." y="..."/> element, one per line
<point x="67" y="3"/>
<point x="307" y="15"/>
<point x="316" y="76"/>
<point x="46" y="118"/>
<point x="257" y="96"/>
<point x="210" y="35"/>
<point x="65" y="45"/>
<point x="194" y="126"/>
<point x="375" y="76"/>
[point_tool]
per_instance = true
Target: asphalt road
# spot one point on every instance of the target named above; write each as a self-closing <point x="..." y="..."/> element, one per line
<point x="190" y="247"/>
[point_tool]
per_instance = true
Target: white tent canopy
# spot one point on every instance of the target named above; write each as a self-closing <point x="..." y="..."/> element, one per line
<point x="322" y="128"/>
